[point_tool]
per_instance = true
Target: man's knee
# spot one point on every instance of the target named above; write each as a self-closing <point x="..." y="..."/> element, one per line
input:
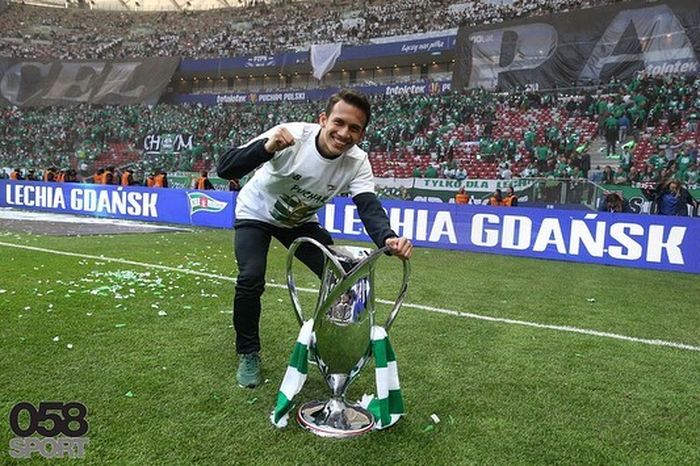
<point x="250" y="284"/>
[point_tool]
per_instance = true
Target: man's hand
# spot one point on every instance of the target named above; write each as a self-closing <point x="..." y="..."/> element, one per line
<point x="400" y="247"/>
<point x="279" y="140"/>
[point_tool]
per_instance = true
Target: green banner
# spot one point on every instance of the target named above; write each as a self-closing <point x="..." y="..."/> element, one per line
<point x="186" y="181"/>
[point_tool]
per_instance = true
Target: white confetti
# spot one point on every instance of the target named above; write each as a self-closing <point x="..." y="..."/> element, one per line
<point x="435" y="418"/>
<point x="162" y="313"/>
<point x="69" y="346"/>
<point x="56" y="338"/>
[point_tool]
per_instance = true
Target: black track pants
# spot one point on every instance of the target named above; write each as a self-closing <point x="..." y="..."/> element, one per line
<point x="252" y="242"/>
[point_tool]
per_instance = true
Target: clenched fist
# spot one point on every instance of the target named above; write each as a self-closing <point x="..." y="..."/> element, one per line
<point x="280" y="139"/>
<point x="400" y="247"/>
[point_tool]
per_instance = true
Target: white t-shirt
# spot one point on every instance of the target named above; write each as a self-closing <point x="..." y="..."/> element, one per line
<point x="289" y="189"/>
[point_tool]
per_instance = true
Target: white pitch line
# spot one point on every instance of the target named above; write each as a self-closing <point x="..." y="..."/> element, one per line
<point x="469" y="315"/>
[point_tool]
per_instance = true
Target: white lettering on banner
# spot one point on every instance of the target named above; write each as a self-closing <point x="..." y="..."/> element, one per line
<point x="550" y="233"/>
<point x="516" y="232"/>
<point x="523" y="225"/>
<point x="329" y="219"/>
<point x="114" y="202"/>
<point x="619" y="234"/>
<point x="422" y="225"/>
<point x="407" y="89"/>
<point x="46" y="197"/>
<point x="404" y="227"/>
<point x="581" y="234"/>
<point x="351" y="220"/>
<point x="442" y="226"/>
<point x="478" y="230"/>
<point x="231" y="98"/>
<point x="672" y="244"/>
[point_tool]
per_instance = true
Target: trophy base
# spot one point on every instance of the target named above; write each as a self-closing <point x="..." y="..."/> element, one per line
<point x="335" y="419"/>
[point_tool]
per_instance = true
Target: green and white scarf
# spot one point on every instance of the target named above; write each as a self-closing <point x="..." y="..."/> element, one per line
<point x="387" y="407"/>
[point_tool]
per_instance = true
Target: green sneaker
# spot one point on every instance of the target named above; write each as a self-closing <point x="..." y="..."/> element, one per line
<point x="248" y="374"/>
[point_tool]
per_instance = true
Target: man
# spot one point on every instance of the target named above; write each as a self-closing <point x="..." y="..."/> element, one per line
<point x="302" y="167"/>
<point x="127" y="178"/>
<point x="671" y="198"/>
<point x="511" y="199"/>
<point x="462" y="197"/>
<point x="203" y="183"/>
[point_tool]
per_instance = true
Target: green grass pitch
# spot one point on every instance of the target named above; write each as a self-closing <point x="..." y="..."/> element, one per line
<point x="505" y="393"/>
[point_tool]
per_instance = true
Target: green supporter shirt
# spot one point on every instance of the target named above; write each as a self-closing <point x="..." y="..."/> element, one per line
<point x="530" y="137"/>
<point x="691" y="177"/>
<point x="611" y="122"/>
<point x="542" y="152"/>
<point x="683" y="162"/>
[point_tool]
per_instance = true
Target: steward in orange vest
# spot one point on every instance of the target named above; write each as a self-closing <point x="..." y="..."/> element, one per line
<point x="496" y="199"/>
<point x="128" y="177"/>
<point x="461" y="197"/>
<point x="16" y="175"/>
<point x="511" y="200"/>
<point x="161" y="180"/>
<point x="108" y="176"/>
<point x="203" y="182"/>
<point x="97" y="177"/>
<point x="49" y="174"/>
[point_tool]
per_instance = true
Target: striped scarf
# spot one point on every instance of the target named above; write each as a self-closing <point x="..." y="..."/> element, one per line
<point x="386" y="407"/>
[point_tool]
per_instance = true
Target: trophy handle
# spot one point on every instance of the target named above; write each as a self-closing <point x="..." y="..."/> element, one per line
<point x="291" y="285"/>
<point x="402" y="295"/>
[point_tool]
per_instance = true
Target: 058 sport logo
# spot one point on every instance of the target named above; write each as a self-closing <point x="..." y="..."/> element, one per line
<point x="62" y="427"/>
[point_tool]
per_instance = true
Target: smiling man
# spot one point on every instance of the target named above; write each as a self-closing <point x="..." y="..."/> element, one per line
<point x="302" y="167"/>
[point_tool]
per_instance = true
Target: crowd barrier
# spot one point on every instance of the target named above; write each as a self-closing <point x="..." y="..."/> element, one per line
<point x="627" y="240"/>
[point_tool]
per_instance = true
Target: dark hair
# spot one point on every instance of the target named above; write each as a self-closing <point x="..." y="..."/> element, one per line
<point x="353" y="98"/>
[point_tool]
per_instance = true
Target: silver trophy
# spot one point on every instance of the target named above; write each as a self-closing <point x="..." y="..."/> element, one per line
<point x="343" y="319"/>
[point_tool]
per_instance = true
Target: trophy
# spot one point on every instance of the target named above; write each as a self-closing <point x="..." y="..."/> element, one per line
<point x="343" y="320"/>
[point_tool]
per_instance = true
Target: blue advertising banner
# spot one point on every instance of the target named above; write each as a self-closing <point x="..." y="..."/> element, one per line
<point x="626" y="240"/>
<point x="432" y="45"/>
<point x="199" y="208"/>
<point x="434" y="87"/>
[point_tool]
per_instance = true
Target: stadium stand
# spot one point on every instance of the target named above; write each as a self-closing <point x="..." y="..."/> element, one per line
<point x="35" y="32"/>
<point x="482" y="132"/>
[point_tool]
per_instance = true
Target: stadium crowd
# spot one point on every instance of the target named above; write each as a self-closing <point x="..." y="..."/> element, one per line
<point x="263" y="29"/>
<point x="649" y="125"/>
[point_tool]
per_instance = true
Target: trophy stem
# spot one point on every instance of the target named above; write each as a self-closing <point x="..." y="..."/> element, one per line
<point x="335" y="418"/>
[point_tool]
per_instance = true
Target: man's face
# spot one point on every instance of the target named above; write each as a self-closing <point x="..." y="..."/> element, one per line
<point x="342" y="129"/>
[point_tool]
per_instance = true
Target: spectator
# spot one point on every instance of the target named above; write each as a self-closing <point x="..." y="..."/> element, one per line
<point x="613" y="202"/>
<point x="670" y="198"/>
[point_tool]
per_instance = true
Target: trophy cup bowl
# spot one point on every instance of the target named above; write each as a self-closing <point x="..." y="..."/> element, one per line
<point x="343" y="320"/>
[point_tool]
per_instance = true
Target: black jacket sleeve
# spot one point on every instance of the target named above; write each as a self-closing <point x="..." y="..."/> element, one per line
<point x="239" y="161"/>
<point x="373" y="217"/>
